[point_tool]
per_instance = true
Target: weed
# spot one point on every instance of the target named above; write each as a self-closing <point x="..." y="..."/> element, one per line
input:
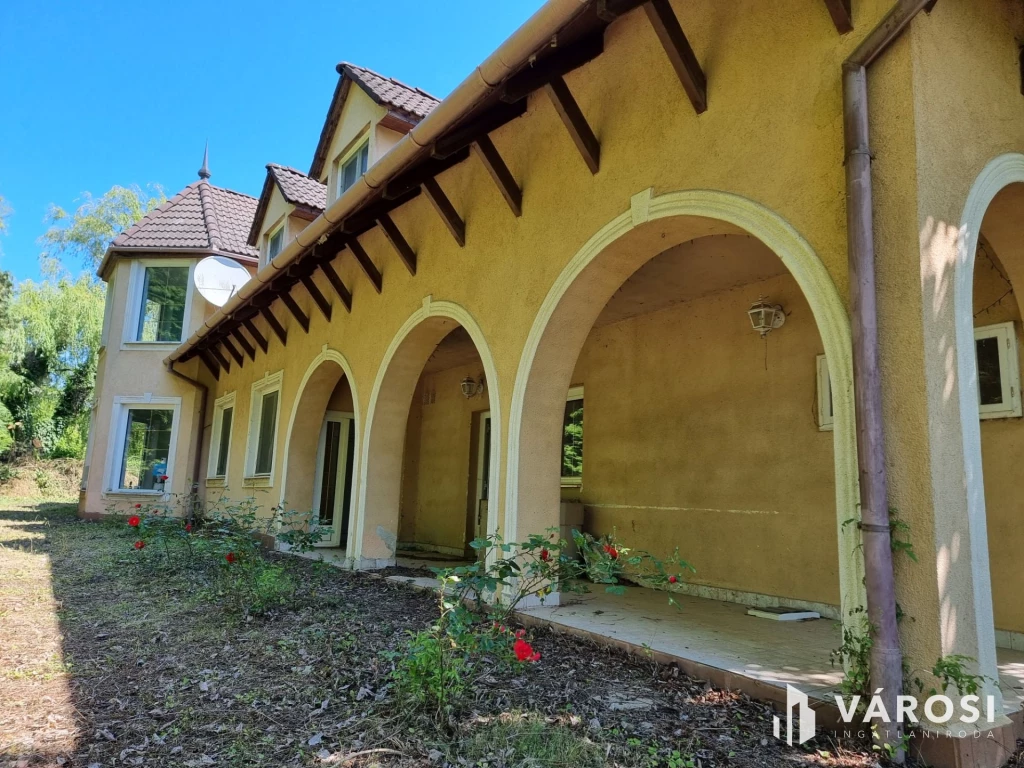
<point x="522" y="742"/>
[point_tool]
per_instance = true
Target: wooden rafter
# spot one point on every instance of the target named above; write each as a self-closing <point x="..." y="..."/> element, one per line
<point x="680" y="54"/>
<point x="300" y="317"/>
<point x="572" y="117"/>
<point x="275" y="324"/>
<point x="502" y="176"/>
<point x="841" y="15"/>
<point x="232" y="350"/>
<point x="243" y="342"/>
<point x="318" y="298"/>
<point x="445" y="210"/>
<point x="367" y="218"/>
<point x="556" y="64"/>
<point x="219" y="357"/>
<point x="366" y="263"/>
<point x="428" y="169"/>
<point x="258" y="337"/>
<point x="467" y="134"/>
<point x="398" y="242"/>
<point x="339" y="287"/>
<point x="210" y="363"/>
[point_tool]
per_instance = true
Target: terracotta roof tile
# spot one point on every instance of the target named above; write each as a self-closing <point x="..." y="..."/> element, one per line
<point x="393" y="93"/>
<point x="201" y="216"/>
<point x="298" y="188"/>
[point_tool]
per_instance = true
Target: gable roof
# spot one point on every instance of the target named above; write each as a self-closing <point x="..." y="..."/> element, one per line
<point x="406" y="105"/>
<point x="308" y="196"/>
<point x="201" y="218"/>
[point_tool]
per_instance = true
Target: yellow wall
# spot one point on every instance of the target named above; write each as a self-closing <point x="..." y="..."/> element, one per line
<point x="358" y="114"/>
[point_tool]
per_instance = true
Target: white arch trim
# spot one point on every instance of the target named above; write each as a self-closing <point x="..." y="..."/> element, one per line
<point x="998" y="174"/>
<point x="326" y="355"/>
<point x="826" y="305"/>
<point x="462" y="316"/>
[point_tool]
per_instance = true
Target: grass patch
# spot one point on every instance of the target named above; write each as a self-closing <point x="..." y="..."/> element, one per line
<point x="528" y="742"/>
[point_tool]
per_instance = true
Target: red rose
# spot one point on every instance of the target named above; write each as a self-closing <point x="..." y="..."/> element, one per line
<point x="134" y="521"/>
<point x="230" y="557"/>
<point x="524" y="651"/>
<point x="138" y="506"/>
<point x="611" y="551"/>
<point x="672" y="579"/>
<point x="163" y="478"/>
<point x="545" y="555"/>
<point x="140" y="544"/>
<point x="188" y="527"/>
<point x="520" y="634"/>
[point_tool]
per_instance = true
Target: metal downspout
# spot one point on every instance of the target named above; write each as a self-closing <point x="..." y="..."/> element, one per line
<point x="886" y="657"/>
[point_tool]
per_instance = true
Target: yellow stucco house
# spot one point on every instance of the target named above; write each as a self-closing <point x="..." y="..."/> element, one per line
<point x="737" y="278"/>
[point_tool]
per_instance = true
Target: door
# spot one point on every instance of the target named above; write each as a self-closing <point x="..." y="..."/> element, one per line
<point x="332" y="488"/>
<point x="483" y="475"/>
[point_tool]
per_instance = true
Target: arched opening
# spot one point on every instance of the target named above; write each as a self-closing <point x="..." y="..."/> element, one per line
<point x="320" y="451"/>
<point x="696" y="431"/>
<point x="989" y="353"/>
<point x="433" y="442"/>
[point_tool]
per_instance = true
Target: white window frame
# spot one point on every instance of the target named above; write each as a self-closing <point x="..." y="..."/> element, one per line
<point x="1009" y="367"/>
<point x="108" y="309"/>
<point x="118" y="432"/>
<point x="271" y="382"/>
<point x="575" y="393"/>
<point x="826" y="416"/>
<point x="220" y="405"/>
<point x="279" y="226"/>
<point x="133" y="307"/>
<point x="355" y="147"/>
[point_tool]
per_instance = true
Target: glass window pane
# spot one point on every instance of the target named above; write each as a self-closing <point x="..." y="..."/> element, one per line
<point x="276" y="243"/>
<point x="147" y="446"/>
<point x="572" y="439"/>
<point x="990" y="382"/>
<point x="225" y="441"/>
<point x="268" y="428"/>
<point x="162" y="315"/>
<point x="364" y="158"/>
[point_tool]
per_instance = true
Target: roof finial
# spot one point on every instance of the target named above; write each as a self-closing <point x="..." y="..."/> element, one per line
<point x="204" y="172"/>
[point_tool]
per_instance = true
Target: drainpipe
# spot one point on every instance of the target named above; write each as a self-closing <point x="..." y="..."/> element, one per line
<point x="203" y="392"/>
<point x="886" y="658"/>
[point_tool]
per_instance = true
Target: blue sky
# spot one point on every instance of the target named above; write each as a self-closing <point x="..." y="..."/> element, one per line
<point x="103" y="93"/>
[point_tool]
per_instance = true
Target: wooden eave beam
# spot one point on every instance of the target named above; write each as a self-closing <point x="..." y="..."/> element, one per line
<point x="336" y="283"/>
<point x="503" y="178"/>
<point x="318" y="298"/>
<point x="226" y="343"/>
<point x="210" y="363"/>
<point x="575" y="123"/>
<point x="398" y="242"/>
<point x="467" y="134"/>
<point x="445" y="210"/>
<point x="841" y="15"/>
<point x="258" y="337"/>
<point x="428" y="169"/>
<point x="680" y="54"/>
<point x="367" y="218"/>
<point x="554" y="65"/>
<point x="275" y="324"/>
<point x="243" y="342"/>
<point x="219" y="357"/>
<point x="366" y="263"/>
<point x="300" y="316"/>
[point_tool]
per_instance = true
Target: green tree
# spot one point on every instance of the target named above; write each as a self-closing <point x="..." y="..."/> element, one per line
<point x="87" y="232"/>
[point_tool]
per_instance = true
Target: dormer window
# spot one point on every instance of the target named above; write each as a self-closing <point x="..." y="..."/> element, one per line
<point x="275" y="242"/>
<point x="354" y="166"/>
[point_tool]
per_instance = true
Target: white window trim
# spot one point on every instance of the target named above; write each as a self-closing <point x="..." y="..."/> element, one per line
<point x="133" y="307"/>
<point x="108" y="309"/>
<point x="219" y="406"/>
<point x="271" y="382"/>
<point x="1009" y="366"/>
<point x="363" y="138"/>
<point x="826" y="418"/>
<point x="278" y="226"/>
<point x="118" y="430"/>
<point x="575" y="393"/>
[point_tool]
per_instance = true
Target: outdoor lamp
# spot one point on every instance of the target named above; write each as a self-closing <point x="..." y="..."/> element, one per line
<point x="471" y="386"/>
<point x="765" y="317"/>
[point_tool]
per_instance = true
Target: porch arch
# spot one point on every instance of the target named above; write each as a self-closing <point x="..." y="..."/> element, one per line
<point x="998" y="174"/>
<point x="379" y="493"/>
<point x="309" y="405"/>
<point x="589" y="279"/>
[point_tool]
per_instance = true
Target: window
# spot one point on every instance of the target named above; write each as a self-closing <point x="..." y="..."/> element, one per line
<point x="220" y="440"/>
<point x="144" y="437"/>
<point x="160" y="298"/>
<point x="572" y="438"/>
<point x="353" y="167"/>
<point x="995" y="348"/>
<point x="275" y="242"/>
<point x="264" y="412"/>
<point x="825" y="414"/>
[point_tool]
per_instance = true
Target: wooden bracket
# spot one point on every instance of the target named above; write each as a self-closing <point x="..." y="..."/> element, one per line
<point x="398" y="242"/>
<point x="220" y="358"/>
<point x="339" y="287"/>
<point x="210" y="363"/>
<point x="243" y="342"/>
<point x="275" y="324"/>
<point x="297" y="313"/>
<point x="572" y="117"/>
<point x="502" y="176"/>
<point x="445" y="210"/>
<point x="558" y="63"/>
<point x="839" y="10"/>
<point x="233" y="350"/>
<point x="318" y="298"/>
<point x="364" y="261"/>
<point x="680" y="54"/>
<point x="260" y="339"/>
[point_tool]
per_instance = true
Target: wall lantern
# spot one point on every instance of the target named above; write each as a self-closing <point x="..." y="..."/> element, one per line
<point x="765" y="317"/>
<point x="471" y="387"/>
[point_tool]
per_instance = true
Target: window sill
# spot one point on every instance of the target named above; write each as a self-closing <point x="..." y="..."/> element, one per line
<point x="148" y="346"/>
<point x="216" y="482"/>
<point x="825" y="428"/>
<point x="258" y="481"/>
<point x="128" y="493"/>
<point x="572" y="482"/>
<point x="999" y="415"/>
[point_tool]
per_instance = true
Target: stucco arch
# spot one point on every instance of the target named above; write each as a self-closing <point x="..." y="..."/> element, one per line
<point x="309" y="405"/>
<point x="998" y="174"/>
<point x="379" y="493"/>
<point x="612" y="254"/>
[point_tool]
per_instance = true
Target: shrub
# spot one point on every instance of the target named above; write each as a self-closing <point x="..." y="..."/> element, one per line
<point x="43" y="479"/>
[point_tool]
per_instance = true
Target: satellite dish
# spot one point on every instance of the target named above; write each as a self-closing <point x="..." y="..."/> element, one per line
<point x="217" y="278"/>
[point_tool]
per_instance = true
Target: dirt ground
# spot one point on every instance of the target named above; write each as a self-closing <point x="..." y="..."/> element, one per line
<point x="101" y="664"/>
